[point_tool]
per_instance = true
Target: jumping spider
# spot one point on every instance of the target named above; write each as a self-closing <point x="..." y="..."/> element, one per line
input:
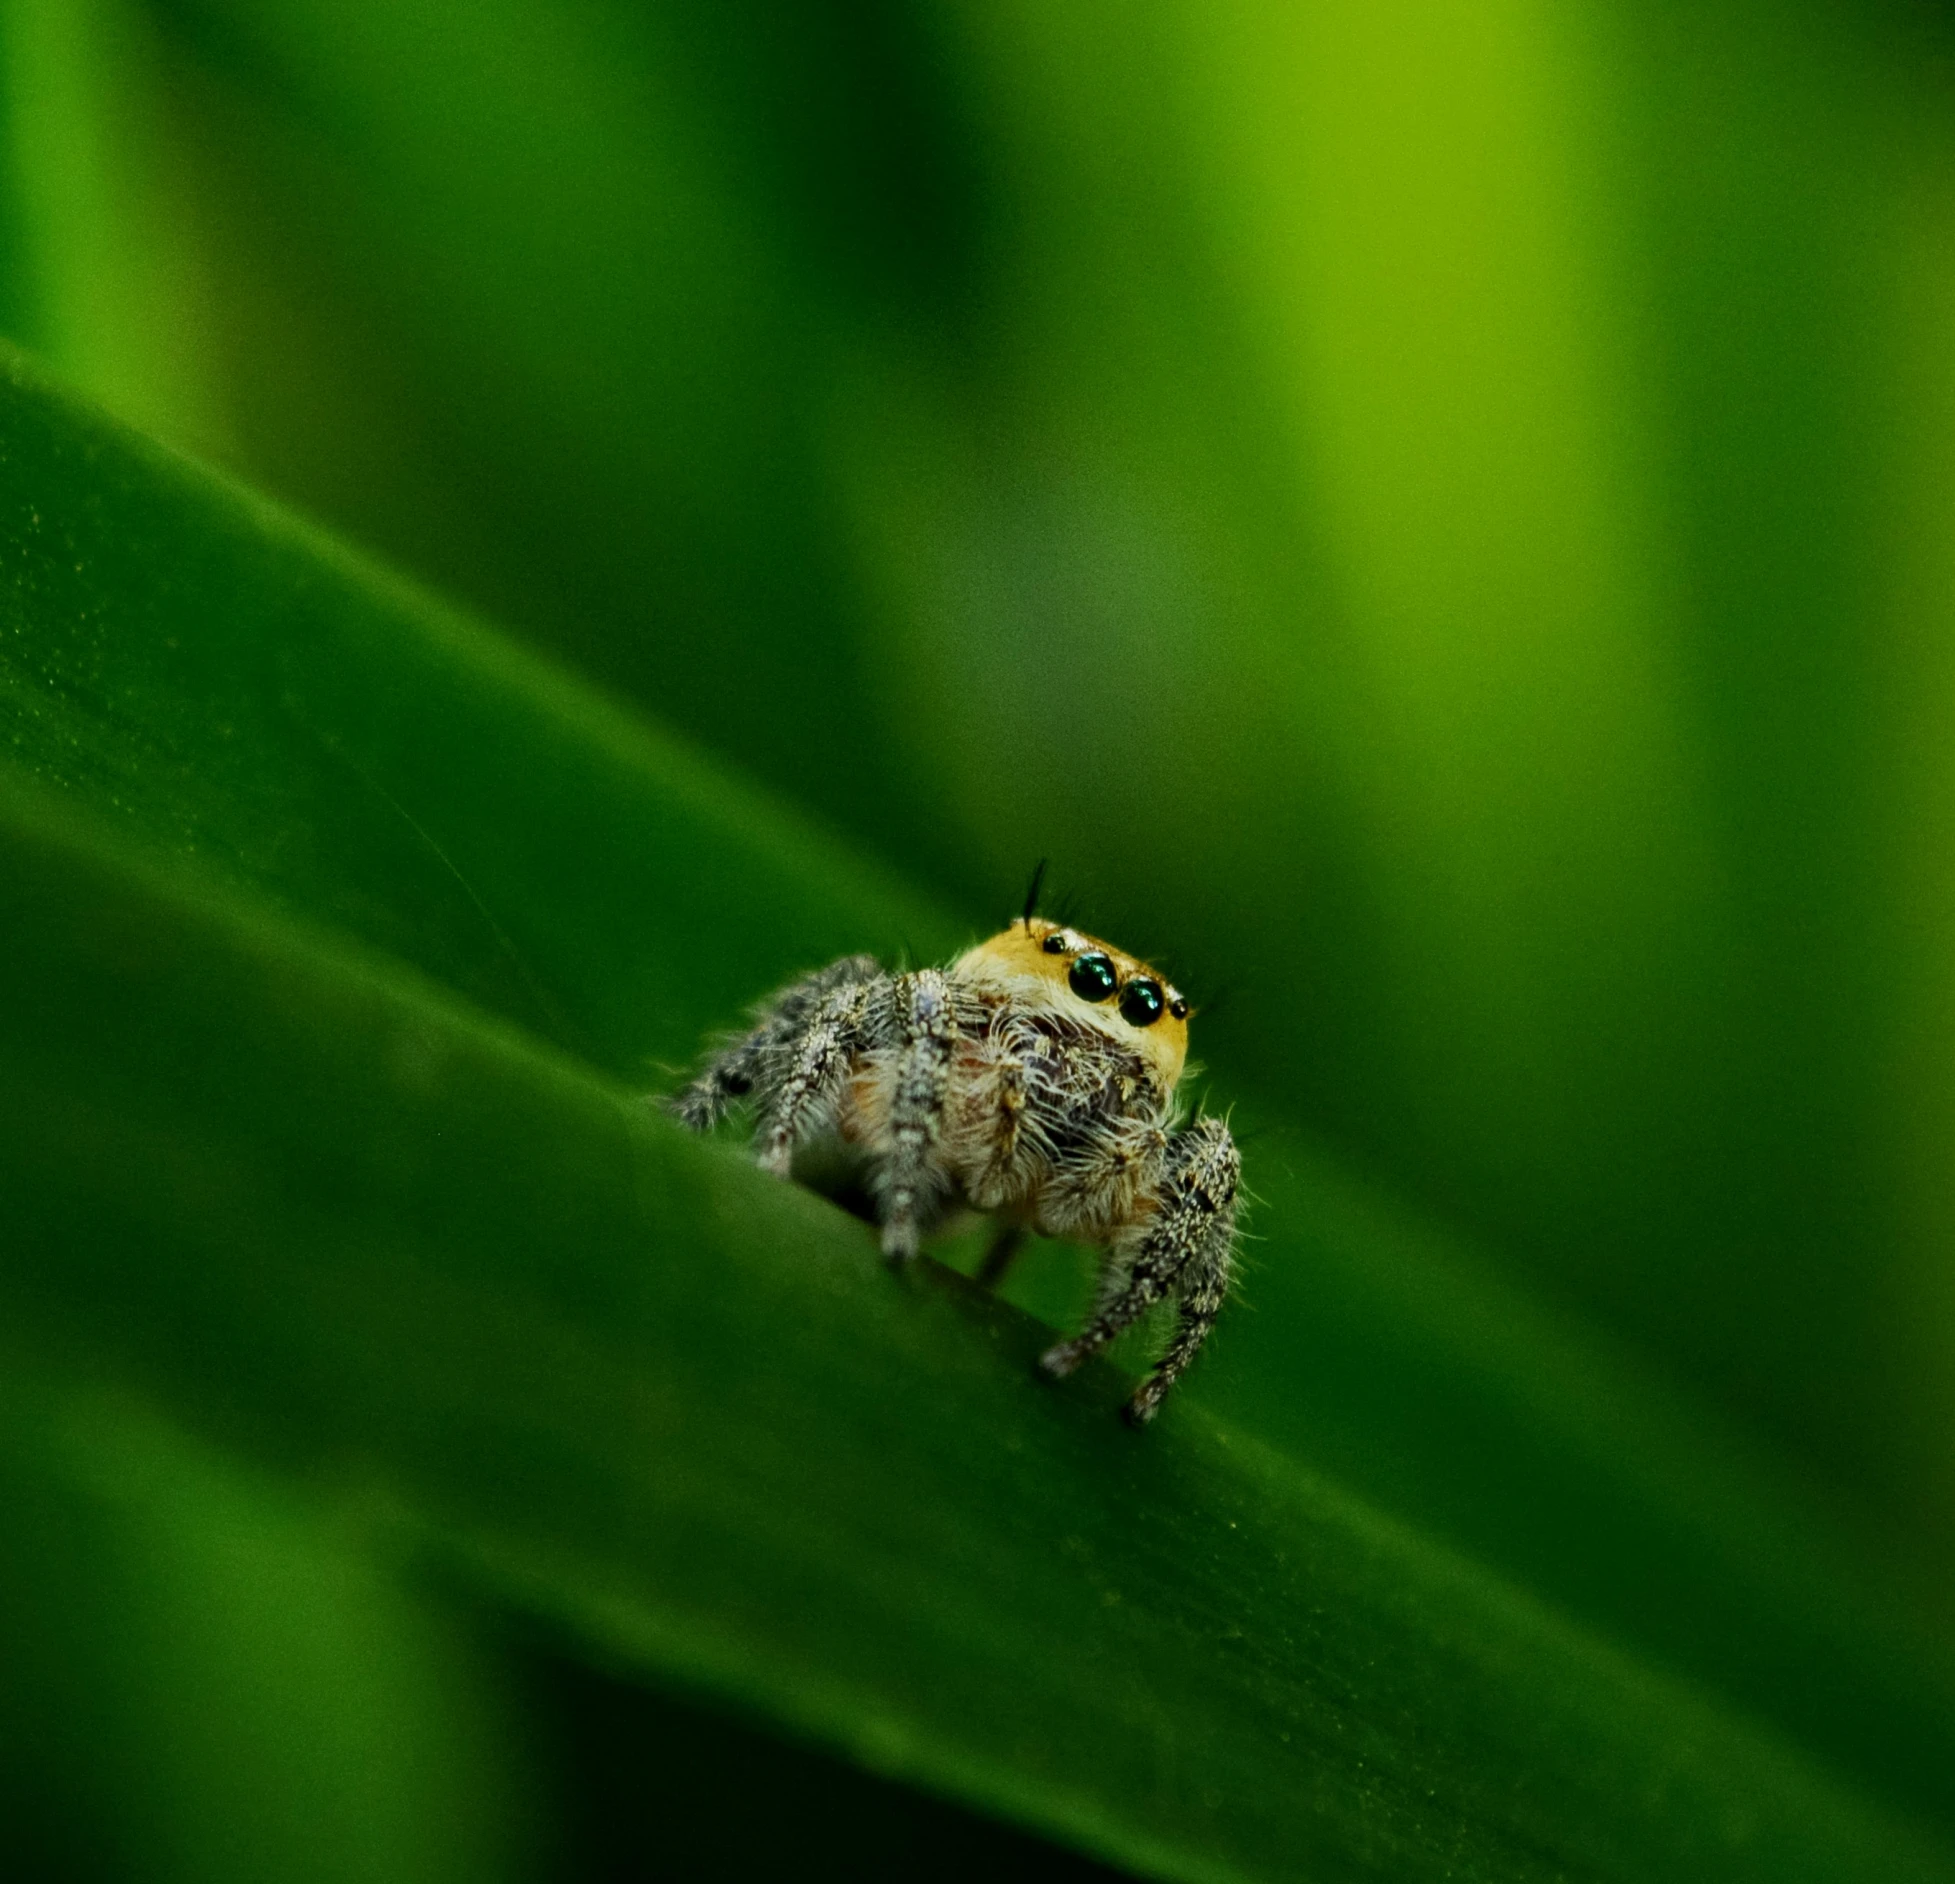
<point x="1034" y="1079"/>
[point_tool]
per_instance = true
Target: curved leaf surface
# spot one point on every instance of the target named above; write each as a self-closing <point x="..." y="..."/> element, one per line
<point x="361" y="1232"/>
<point x="340" y="934"/>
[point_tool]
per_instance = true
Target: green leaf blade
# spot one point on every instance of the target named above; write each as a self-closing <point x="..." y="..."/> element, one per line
<point x="340" y="937"/>
<point x="689" y="1410"/>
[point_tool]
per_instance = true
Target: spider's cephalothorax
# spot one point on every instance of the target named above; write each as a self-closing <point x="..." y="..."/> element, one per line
<point x="1033" y="1078"/>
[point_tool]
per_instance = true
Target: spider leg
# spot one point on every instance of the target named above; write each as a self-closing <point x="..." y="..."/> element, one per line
<point x="1125" y="1295"/>
<point x="998" y="1259"/>
<point x="1185" y="1250"/>
<point x="733" y="1071"/>
<point x="1203" y="1291"/>
<point x="1211" y="1171"/>
<point x="910" y="1177"/>
<point x="803" y="1098"/>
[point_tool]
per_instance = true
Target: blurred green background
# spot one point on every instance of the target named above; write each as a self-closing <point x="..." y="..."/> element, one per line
<point x="1438" y="518"/>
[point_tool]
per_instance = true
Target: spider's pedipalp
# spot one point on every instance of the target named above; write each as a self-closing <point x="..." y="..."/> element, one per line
<point x="1007" y="1082"/>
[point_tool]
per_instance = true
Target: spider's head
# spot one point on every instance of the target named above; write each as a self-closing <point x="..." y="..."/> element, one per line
<point x="1059" y="967"/>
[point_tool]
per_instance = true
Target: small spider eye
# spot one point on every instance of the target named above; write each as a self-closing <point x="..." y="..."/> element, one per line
<point x="1055" y="943"/>
<point x="1141" y="1002"/>
<point x="1178" y="1007"/>
<point x="1093" y="977"/>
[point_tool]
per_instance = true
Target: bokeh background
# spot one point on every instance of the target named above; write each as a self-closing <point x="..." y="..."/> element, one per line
<point x="1439" y="519"/>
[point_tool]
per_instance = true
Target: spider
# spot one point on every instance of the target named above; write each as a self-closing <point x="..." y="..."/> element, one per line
<point x="1032" y="1079"/>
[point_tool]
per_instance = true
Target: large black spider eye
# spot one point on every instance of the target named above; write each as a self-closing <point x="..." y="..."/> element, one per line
<point x="1055" y="943"/>
<point x="1093" y="978"/>
<point x="1141" y="1002"/>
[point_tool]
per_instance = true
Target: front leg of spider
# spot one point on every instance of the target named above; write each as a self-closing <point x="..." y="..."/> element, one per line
<point x="1203" y="1289"/>
<point x="909" y="1180"/>
<point x="742" y="1066"/>
<point x="1185" y="1251"/>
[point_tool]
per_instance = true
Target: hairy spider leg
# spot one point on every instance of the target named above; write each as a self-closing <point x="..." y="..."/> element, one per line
<point x="731" y="1073"/>
<point x="806" y="1096"/>
<point x="910" y="1179"/>
<point x="1202" y="1294"/>
<point x="1211" y="1171"/>
<point x="1184" y="1250"/>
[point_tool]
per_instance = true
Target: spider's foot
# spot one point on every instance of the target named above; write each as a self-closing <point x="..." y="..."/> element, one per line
<point x="1144" y="1404"/>
<point x="692" y="1109"/>
<point x="775" y="1157"/>
<point x="1060" y="1361"/>
<point x="899" y="1244"/>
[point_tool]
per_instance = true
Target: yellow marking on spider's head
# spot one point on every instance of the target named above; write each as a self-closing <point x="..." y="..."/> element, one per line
<point x="1076" y="974"/>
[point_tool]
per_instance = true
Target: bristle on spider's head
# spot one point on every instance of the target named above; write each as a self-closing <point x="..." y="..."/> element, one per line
<point x="1032" y="893"/>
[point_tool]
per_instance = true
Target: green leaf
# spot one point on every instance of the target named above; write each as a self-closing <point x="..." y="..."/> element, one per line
<point x="339" y="1221"/>
<point x="340" y="938"/>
